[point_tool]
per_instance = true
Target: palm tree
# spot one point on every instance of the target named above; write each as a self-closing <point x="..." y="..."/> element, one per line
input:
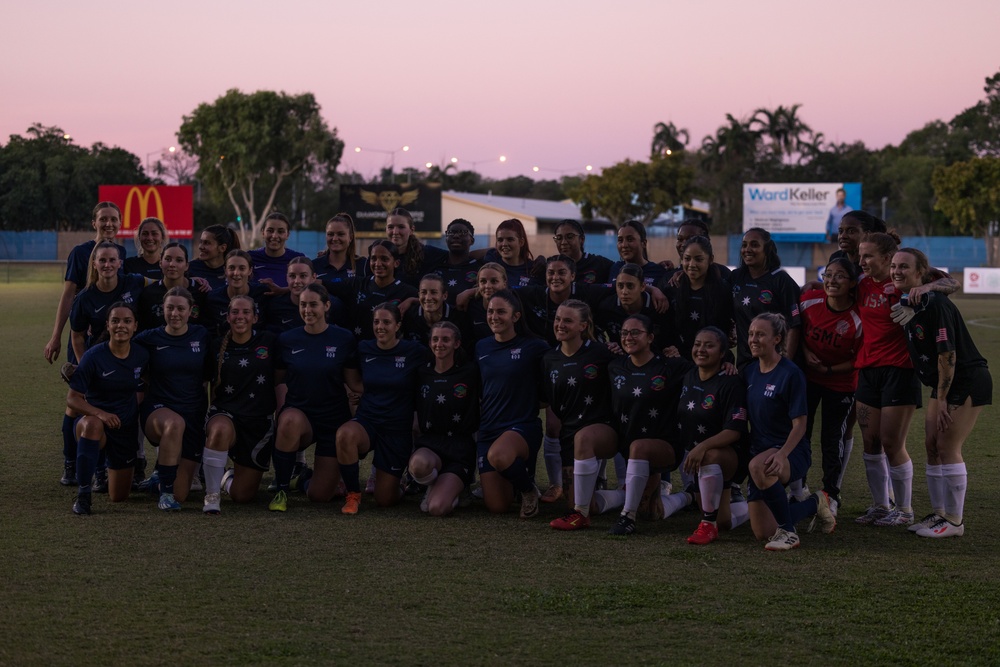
<point x="787" y="133"/>
<point x="667" y="139"/>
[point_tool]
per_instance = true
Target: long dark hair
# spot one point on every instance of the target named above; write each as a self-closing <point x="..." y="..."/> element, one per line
<point x="521" y="326"/>
<point x="223" y="236"/>
<point x="771" y="259"/>
<point x="718" y="295"/>
<point x="414" y="248"/>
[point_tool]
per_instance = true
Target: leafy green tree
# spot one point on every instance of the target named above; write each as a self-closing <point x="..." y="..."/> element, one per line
<point x="249" y="145"/>
<point x="636" y="190"/>
<point x="968" y="193"/>
<point x="980" y="124"/>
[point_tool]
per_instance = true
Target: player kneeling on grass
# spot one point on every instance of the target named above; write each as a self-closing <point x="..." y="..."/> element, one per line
<point x="776" y="406"/>
<point x="712" y="425"/>
<point x="103" y="390"/>
<point x="448" y="416"/>
<point x="240" y="421"/>
<point x="946" y="360"/>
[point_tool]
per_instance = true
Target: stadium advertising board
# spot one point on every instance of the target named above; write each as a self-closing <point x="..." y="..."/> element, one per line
<point x="173" y="204"/>
<point x="981" y="281"/>
<point x="799" y="212"/>
<point x="369" y="205"/>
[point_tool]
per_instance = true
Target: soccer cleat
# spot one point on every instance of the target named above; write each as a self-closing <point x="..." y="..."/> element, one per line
<point x="783" y="540"/>
<point x="81" y="505"/>
<point x="824" y="515"/>
<point x="926" y="522"/>
<point x="227" y="480"/>
<point x="212" y="504"/>
<point x="478" y="492"/>
<point x="168" y="503"/>
<point x="100" y="481"/>
<point x="279" y="503"/>
<point x="352" y="503"/>
<point x="297" y="482"/>
<point x="552" y="494"/>
<point x="624" y="526"/>
<point x="872" y="514"/>
<point x="69" y="475"/>
<point x="896" y="517"/>
<point x="706" y="533"/>
<point x="197" y="484"/>
<point x="273" y="486"/>
<point x="370" y="484"/>
<point x="151" y="483"/>
<point x="572" y="521"/>
<point x="736" y="494"/>
<point x="529" y="502"/>
<point x="341" y="491"/>
<point x="943" y="528"/>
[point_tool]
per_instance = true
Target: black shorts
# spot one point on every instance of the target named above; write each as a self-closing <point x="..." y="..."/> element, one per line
<point x="888" y="387"/>
<point x="193" y="442"/>
<point x="530" y="430"/>
<point x="120" y="444"/>
<point x="975" y="382"/>
<point x="392" y="448"/>
<point x="457" y="454"/>
<point x="324" y="430"/>
<point x="254" y="439"/>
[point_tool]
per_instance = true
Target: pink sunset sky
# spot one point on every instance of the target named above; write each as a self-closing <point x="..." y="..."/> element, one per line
<point x="555" y="84"/>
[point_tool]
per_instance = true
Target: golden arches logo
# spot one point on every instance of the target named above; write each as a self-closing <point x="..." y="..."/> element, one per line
<point x="143" y="197"/>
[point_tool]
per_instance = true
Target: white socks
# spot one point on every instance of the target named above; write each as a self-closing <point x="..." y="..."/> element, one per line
<point x="636" y="476"/>
<point x="674" y="502"/>
<point x="609" y="500"/>
<point x="902" y="485"/>
<point x="214" y="464"/>
<point x="584" y="480"/>
<point x="710" y="487"/>
<point x="878" y="478"/>
<point x="553" y="460"/>
<point x="937" y="487"/>
<point x="739" y="513"/>
<point x="956" y="480"/>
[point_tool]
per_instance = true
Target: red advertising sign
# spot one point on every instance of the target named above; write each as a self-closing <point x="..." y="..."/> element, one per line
<point x="173" y="204"/>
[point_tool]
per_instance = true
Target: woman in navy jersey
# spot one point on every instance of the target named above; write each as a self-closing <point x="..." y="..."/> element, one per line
<point x="415" y="258"/>
<point x="173" y="269"/>
<point x="712" y="425"/>
<point x="459" y="272"/>
<point x="314" y="363"/>
<point x="239" y="282"/>
<point x="280" y="312"/>
<point x="644" y="391"/>
<point x="384" y="420"/>
<point x="103" y="392"/>
<point x="444" y="456"/>
<point x="214" y="244"/>
<point x="946" y="360"/>
<point x="569" y="239"/>
<point x="339" y="261"/>
<point x="632" y="250"/>
<point x="510" y="431"/>
<point x="629" y="298"/>
<point x="365" y="292"/>
<point x="776" y="407"/>
<point x="172" y="413"/>
<point x="700" y="297"/>
<point x="761" y="286"/>
<point x="434" y="307"/>
<point x="150" y="238"/>
<point x="512" y="253"/>
<point x="240" y="422"/>
<point x="831" y="338"/>
<point x="575" y="377"/>
<point x="271" y="259"/>
<point x="490" y="279"/>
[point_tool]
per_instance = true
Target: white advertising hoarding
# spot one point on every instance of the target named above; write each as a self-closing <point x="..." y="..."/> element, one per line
<point x="981" y="281"/>
<point x="799" y="212"/>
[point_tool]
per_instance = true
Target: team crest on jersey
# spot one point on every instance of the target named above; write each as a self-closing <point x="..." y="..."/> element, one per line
<point x="524" y="281"/>
<point x="515" y="354"/>
<point x="889" y="289"/>
<point x="331" y="351"/>
<point x="590" y="277"/>
<point x="195" y="311"/>
<point x="554" y="376"/>
<point x="918" y="331"/>
<point x="470" y="277"/>
<point x="590" y="371"/>
<point x="619" y="381"/>
<point x="127" y="298"/>
<point x="708" y="402"/>
<point x="460" y="390"/>
<point x="196" y="346"/>
<point x="842" y="327"/>
<point x="262" y="352"/>
<point x="401" y="362"/>
<point x="539" y="312"/>
<point x="424" y="390"/>
<point x="769" y="390"/>
<point x="657" y="383"/>
<point x="766" y="296"/>
<point x="158" y="311"/>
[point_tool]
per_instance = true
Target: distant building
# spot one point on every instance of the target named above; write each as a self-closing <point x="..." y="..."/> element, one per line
<point x="539" y="216"/>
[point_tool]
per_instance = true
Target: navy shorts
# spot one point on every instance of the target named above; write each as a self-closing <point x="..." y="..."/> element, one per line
<point x="975" y="382"/>
<point x="530" y="430"/>
<point x="193" y="443"/>
<point x="457" y="454"/>
<point x="254" y="439"/>
<point x="798" y="464"/>
<point x="392" y="448"/>
<point x="888" y="387"/>
<point x="121" y="445"/>
<point x="324" y="430"/>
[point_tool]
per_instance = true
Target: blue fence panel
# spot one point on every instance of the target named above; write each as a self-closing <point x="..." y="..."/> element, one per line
<point x="37" y="246"/>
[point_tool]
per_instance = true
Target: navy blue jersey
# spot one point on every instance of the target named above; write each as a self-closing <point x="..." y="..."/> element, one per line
<point x="314" y="371"/>
<point x="541" y="309"/>
<point x="448" y="403"/>
<point x="459" y="277"/>
<point x="332" y="274"/>
<point x="139" y="265"/>
<point x="644" y="398"/>
<point x="708" y="407"/>
<point x="773" y="292"/>
<point x="416" y="328"/>
<point x="275" y="268"/>
<point x="610" y="315"/>
<point x="577" y="387"/>
<point x="279" y="313"/>
<point x="511" y="375"/>
<point x="217" y="307"/>
<point x="652" y="272"/>
<point x="390" y="379"/>
<point x="178" y="368"/>
<point x="362" y="295"/>
<point x="939" y="328"/>
<point x="520" y="275"/>
<point x="150" y="305"/>
<point x="592" y="269"/>
<point x="773" y="400"/>
<point x="216" y="277"/>
<point x="110" y="383"/>
<point x="691" y="310"/>
<point x="477" y="321"/>
<point x="90" y="308"/>
<point x="78" y="262"/>
<point x="244" y="382"/>
<point x="434" y="259"/>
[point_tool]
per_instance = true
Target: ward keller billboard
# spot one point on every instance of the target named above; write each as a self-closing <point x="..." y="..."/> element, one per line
<point x="369" y="205"/>
<point x="806" y="212"/>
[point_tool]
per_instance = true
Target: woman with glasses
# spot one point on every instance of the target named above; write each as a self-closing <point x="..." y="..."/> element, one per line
<point x="569" y="239"/>
<point x="459" y="272"/>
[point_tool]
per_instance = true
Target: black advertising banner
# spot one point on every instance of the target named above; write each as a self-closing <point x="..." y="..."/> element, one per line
<point x="370" y="204"/>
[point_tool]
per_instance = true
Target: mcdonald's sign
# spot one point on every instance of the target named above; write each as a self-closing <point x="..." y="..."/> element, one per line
<point x="173" y="204"/>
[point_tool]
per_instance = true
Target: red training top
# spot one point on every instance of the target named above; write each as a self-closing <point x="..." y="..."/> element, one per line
<point x="885" y="342"/>
<point x="833" y="336"/>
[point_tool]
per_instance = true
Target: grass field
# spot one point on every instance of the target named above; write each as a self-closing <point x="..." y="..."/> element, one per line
<point x="131" y="585"/>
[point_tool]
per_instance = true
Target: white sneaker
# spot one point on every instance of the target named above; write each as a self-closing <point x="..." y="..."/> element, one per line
<point x="783" y="540"/>
<point x="926" y="522"/>
<point x="943" y="528"/>
<point x="212" y="505"/>
<point x="196" y="484"/>
<point x="896" y="517"/>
